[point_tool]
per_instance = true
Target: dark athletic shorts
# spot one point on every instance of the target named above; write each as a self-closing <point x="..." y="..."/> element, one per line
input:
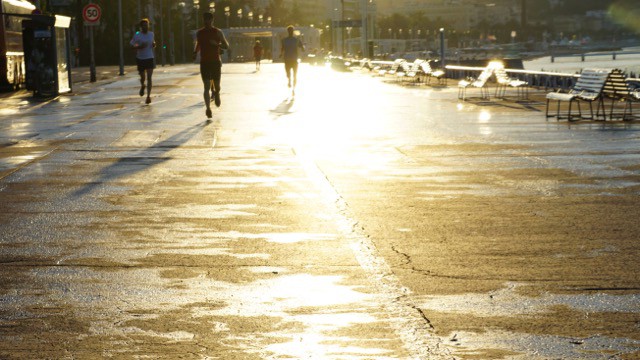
<point x="290" y="65"/>
<point x="144" y="64"/>
<point x="211" y="70"/>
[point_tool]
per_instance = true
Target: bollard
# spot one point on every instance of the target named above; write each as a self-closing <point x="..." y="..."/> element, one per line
<point x="92" y="59"/>
<point x="582" y="56"/>
<point x="614" y="56"/>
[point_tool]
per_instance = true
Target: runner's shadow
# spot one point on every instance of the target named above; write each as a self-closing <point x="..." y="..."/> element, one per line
<point x="140" y="160"/>
<point x="284" y="108"/>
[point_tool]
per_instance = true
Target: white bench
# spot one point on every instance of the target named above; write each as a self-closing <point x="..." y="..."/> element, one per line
<point x="429" y="72"/>
<point x="588" y="88"/>
<point x="503" y="81"/>
<point x="410" y="71"/>
<point x="479" y="83"/>
<point x="393" y="69"/>
<point x="618" y="89"/>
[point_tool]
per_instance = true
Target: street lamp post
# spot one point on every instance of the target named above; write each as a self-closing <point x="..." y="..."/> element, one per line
<point x="120" y="45"/>
<point x="196" y="7"/>
<point x="185" y="12"/>
<point x="172" y="53"/>
<point x="364" y="26"/>
<point x="348" y="43"/>
<point x="327" y="28"/>
<point x="162" y="48"/>
<point x="250" y="17"/>
<point x="227" y="13"/>
<point x="442" y="57"/>
<point x="239" y="12"/>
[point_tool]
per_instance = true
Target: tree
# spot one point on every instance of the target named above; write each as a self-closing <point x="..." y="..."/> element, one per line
<point x="279" y="14"/>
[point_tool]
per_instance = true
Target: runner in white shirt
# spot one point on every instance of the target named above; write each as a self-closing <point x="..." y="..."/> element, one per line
<point x="144" y="43"/>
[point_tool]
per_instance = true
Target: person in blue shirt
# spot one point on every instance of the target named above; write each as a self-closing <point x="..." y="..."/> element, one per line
<point x="290" y="46"/>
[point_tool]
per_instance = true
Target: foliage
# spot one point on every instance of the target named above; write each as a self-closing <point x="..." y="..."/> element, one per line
<point x="626" y="13"/>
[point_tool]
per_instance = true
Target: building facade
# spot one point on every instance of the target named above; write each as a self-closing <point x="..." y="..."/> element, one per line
<point x="462" y="15"/>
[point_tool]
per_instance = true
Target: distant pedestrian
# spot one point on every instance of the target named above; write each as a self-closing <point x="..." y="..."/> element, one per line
<point x="144" y="43"/>
<point x="209" y="42"/>
<point x="290" y="46"/>
<point x="257" y="53"/>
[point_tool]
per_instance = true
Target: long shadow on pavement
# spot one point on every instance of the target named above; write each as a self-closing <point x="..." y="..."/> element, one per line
<point x="140" y="161"/>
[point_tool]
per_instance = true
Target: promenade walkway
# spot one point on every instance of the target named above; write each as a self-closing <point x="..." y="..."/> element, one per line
<point x="359" y="220"/>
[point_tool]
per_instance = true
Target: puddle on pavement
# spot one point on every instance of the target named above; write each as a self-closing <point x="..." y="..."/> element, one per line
<point x="280" y="238"/>
<point x="507" y="302"/>
<point x="296" y="313"/>
<point x="538" y="347"/>
<point x="225" y="211"/>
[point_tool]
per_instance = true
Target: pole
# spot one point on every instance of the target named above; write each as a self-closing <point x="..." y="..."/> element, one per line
<point x="172" y="55"/>
<point x="442" y="57"/>
<point x="364" y="27"/>
<point x="120" y="37"/>
<point x="184" y="59"/>
<point x="162" y="50"/>
<point x="92" y="62"/>
<point x="342" y="47"/>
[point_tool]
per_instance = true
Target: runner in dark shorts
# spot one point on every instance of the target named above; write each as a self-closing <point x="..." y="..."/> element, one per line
<point x="145" y="64"/>
<point x="144" y="43"/>
<point x="209" y="41"/>
<point x="290" y="46"/>
<point x="211" y="70"/>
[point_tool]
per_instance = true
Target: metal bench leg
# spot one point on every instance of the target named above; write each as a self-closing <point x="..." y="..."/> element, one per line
<point x="569" y="113"/>
<point x="613" y="103"/>
<point x="579" y="116"/>
<point x="629" y="105"/>
<point x="546" y="111"/>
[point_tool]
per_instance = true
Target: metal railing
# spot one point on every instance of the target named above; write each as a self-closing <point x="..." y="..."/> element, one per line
<point x="540" y="79"/>
<point x="583" y="56"/>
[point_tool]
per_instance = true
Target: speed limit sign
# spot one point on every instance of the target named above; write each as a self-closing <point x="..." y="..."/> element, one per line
<point x="91" y="14"/>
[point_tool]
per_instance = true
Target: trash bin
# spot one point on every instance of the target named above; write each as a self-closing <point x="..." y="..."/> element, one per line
<point x="47" y="54"/>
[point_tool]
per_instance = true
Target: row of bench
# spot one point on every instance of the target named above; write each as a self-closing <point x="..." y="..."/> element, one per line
<point x="419" y="70"/>
<point x="597" y="86"/>
<point x="502" y="80"/>
<point x="593" y="86"/>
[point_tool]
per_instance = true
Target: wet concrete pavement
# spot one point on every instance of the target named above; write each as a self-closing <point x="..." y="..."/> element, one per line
<point x="359" y="220"/>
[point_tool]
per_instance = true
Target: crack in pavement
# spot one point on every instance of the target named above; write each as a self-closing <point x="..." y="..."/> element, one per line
<point x="410" y="322"/>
